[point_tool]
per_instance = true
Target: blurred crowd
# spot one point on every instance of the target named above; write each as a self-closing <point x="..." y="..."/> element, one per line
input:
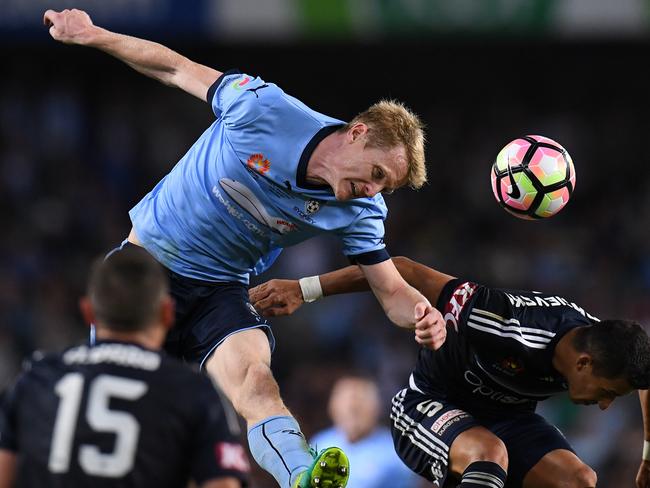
<point x="82" y="138"/>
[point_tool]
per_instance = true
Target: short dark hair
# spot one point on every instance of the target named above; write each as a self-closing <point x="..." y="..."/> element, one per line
<point x="619" y="349"/>
<point x="126" y="289"/>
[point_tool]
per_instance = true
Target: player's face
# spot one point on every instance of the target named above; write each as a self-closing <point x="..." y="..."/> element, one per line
<point x="585" y="388"/>
<point x="354" y="407"/>
<point x="363" y="171"/>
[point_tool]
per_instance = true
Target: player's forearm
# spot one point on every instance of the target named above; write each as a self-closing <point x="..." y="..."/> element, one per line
<point x="351" y="279"/>
<point x="400" y="305"/>
<point x="644" y="398"/>
<point x="7" y="468"/>
<point x="147" y="57"/>
<point x="345" y="280"/>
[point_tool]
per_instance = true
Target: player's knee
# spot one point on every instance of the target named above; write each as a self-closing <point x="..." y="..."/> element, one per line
<point x="483" y="447"/>
<point x="575" y="476"/>
<point x="495" y="452"/>
<point x="582" y="476"/>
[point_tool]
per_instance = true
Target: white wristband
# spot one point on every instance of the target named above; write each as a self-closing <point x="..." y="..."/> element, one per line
<point x="646" y="451"/>
<point x="311" y="289"/>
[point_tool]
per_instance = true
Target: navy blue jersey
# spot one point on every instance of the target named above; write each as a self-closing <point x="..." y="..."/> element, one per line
<point x="499" y="347"/>
<point x="118" y="415"/>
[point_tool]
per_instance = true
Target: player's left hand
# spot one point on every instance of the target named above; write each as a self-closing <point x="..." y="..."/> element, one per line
<point x="276" y="297"/>
<point x="430" y="328"/>
<point x="643" y="476"/>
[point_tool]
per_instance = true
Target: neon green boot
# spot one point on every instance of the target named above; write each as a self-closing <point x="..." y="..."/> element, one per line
<point x="330" y="469"/>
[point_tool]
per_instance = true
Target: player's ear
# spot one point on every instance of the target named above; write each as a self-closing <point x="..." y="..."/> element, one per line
<point x="357" y="130"/>
<point x="87" y="311"/>
<point x="167" y="312"/>
<point x="584" y="362"/>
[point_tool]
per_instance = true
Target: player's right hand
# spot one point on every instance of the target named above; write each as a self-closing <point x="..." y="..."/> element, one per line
<point x="69" y="26"/>
<point x="430" y="327"/>
<point x="276" y="297"/>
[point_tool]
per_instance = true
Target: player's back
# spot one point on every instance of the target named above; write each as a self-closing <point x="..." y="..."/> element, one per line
<point x="116" y="415"/>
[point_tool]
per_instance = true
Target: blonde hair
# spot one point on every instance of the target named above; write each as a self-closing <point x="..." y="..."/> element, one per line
<point x="391" y="124"/>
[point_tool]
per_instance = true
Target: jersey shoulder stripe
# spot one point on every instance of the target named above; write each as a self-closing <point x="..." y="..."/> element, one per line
<point x="496" y="325"/>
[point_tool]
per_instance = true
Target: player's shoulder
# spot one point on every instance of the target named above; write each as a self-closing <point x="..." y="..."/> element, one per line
<point x="41" y="360"/>
<point x="235" y="90"/>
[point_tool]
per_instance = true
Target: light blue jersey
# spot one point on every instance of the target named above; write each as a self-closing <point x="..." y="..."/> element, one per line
<point x="239" y="195"/>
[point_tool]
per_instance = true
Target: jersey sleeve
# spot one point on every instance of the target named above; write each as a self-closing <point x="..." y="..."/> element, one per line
<point x="493" y="324"/>
<point x="218" y="451"/>
<point x="238" y="99"/>
<point x="363" y="240"/>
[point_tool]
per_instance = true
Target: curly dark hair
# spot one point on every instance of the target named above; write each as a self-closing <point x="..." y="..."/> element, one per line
<point x="619" y="349"/>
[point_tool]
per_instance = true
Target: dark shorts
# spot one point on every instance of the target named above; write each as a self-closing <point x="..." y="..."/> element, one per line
<point x="424" y="427"/>
<point x="206" y="314"/>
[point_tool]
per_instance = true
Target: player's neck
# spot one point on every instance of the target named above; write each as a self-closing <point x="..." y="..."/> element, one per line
<point x="145" y="338"/>
<point x="321" y="163"/>
<point x="564" y="354"/>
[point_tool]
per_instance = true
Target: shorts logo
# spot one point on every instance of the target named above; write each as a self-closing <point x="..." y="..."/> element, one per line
<point x="253" y="311"/>
<point x="312" y="206"/>
<point x="259" y="163"/>
<point x="447" y="419"/>
<point x="240" y="83"/>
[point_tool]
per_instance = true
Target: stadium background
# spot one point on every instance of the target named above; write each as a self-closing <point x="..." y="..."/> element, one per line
<point x="82" y="138"/>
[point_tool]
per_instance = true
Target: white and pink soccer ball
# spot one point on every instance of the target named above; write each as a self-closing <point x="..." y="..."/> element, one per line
<point x="533" y="177"/>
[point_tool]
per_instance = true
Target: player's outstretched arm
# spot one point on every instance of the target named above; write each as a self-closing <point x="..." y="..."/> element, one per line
<point x="643" y="476"/>
<point x="7" y="468"/>
<point x="283" y="297"/>
<point x="149" y="58"/>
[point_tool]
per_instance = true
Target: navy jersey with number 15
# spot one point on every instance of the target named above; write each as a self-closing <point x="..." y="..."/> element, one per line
<point x="118" y="415"/>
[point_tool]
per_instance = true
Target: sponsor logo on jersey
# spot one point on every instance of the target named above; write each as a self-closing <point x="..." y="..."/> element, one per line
<point x="447" y="419"/>
<point x="231" y="456"/>
<point x="240" y="83"/>
<point x="458" y="300"/>
<point x="246" y="199"/>
<point x="259" y="163"/>
<point x="237" y="214"/>
<point x="479" y="388"/>
<point x="312" y="206"/>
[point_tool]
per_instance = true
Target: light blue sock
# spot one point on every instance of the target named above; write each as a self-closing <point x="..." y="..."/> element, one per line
<point x="280" y="448"/>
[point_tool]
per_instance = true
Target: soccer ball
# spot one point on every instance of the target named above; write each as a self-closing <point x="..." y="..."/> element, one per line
<point x="533" y="177"/>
